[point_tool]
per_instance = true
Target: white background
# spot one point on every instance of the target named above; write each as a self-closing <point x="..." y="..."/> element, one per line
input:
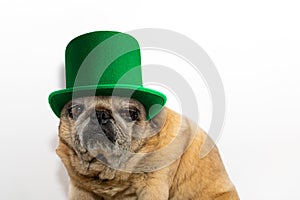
<point x="254" y="44"/>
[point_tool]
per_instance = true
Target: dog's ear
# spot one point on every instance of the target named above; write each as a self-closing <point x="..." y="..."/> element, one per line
<point x="157" y="123"/>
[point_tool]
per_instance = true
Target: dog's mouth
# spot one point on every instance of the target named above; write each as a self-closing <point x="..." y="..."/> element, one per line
<point x="108" y="144"/>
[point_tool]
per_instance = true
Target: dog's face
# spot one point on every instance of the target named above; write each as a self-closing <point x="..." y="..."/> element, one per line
<point x="107" y="128"/>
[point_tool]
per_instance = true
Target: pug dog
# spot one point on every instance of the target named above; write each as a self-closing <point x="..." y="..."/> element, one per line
<point x="111" y="151"/>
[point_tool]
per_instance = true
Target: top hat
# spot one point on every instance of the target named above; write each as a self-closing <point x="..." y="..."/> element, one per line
<point x="105" y="63"/>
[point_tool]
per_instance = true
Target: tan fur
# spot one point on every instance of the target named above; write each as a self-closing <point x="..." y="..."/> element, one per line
<point x="187" y="177"/>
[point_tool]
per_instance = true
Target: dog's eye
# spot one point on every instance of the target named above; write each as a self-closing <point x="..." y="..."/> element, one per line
<point x="130" y="115"/>
<point x="75" y="110"/>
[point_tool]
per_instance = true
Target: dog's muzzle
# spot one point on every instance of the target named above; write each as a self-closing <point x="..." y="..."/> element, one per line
<point x="100" y="123"/>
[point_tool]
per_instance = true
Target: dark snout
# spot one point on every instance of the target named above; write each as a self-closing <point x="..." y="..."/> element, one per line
<point x="103" y="117"/>
<point x="101" y="122"/>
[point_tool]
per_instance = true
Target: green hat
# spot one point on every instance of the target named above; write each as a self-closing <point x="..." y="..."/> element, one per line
<point x="105" y="63"/>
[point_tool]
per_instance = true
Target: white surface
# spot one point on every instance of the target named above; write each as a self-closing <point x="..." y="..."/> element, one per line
<point x="255" y="46"/>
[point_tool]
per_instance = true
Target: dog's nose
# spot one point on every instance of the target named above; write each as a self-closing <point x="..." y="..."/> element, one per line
<point x="103" y="116"/>
<point x="101" y="123"/>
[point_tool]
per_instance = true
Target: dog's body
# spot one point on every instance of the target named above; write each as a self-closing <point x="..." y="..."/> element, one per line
<point x="120" y="165"/>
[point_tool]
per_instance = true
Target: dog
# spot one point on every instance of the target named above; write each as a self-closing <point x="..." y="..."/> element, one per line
<point x="111" y="151"/>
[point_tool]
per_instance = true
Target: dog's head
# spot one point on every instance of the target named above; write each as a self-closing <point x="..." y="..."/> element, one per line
<point x="108" y="128"/>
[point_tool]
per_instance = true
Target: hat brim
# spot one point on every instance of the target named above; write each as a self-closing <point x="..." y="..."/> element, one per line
<point x="152" y="100"/>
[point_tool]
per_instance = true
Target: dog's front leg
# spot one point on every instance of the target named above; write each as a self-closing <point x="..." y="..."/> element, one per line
<point x="154" y="192"/>
<point x="156" y="187"/>
<point x="158" y="183"/>
<point x="76" y="193"/>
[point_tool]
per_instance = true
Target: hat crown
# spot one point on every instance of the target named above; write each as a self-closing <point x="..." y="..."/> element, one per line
<point x="105" y="63"/>
<point x="101" y="58"/>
